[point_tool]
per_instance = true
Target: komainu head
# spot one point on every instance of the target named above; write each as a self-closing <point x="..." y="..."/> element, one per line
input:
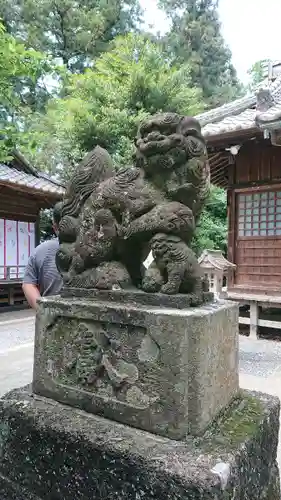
<point x="168" y="140"/>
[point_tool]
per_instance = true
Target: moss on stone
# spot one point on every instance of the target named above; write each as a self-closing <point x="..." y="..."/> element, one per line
<point x="52" y="349"/>
<point x="56" y="337"/>
<point x="235" y="425"/>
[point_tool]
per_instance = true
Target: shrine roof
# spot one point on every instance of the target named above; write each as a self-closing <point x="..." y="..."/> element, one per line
<point x="18" y="172"/>
<point x="256" y="111"/>
<point x="214" y="259"/>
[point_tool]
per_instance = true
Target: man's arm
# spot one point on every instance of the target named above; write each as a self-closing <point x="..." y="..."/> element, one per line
<point x="30" y="283"/>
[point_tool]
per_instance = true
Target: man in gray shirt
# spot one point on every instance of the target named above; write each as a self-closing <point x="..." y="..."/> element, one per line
<point x="41" y="276"/>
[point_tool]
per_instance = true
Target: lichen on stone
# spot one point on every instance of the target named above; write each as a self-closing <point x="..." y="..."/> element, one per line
<point x="235" y="424"/>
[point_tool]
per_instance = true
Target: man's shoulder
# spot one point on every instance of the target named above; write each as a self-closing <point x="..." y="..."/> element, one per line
<point x="46" y="246"/>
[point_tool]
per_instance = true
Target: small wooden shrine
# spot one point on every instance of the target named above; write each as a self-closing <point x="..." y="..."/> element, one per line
<point x="217" y="270"/>
<point x="23" y="193"/>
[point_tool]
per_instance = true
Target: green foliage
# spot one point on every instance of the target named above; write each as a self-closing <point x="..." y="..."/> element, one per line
<point x="72" y="31"/>
<point x="195" y="37"/>
<point x="108" y="83"/>
<point x="105" y="104"/>
<point x="18" y="67"/>
<point x="257" y="73"/>
<point x="46" y="225"/>
<point x="211" y="232"/>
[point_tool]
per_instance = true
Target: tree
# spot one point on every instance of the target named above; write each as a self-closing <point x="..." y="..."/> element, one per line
<point x="105" y="105"/>
<point x="75" y="32"/>
<point x="46" y="225"/>
<point x="257" y="73"/>
<point x="195" y="37"/>
<point x="18" y="67"/>
<point x="211" y="232"/>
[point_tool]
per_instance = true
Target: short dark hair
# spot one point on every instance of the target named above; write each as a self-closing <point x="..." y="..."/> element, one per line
<point x="57" y="212"/>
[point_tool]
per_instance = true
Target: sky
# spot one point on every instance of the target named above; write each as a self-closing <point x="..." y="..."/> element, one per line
<point x="250" y="28"/>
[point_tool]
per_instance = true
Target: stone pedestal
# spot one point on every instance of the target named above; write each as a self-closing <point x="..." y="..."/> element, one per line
<point x="121" y="355"/>
<point x="54" y="452"/>
<point x="164" y="416"/>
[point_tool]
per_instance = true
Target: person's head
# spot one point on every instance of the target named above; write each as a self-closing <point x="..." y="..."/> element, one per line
<point x="57" y="216"/>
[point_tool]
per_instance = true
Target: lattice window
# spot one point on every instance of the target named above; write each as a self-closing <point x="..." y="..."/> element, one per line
<point x="259" y="214"/>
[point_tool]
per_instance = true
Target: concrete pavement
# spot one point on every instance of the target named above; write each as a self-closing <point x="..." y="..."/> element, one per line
<point x="16" y="349"/>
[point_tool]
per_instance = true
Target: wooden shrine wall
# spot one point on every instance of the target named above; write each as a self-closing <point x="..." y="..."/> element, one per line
<point x="255" y="217"/>
<point x="18" y="231"/>
<point x="258" y="162"/>
<point x="18" y="205"/>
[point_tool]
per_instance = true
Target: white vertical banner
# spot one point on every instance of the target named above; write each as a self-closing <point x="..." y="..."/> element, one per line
<point x="23" y="247"/>
<point x="2" y="249"/>
<point x="11" y="247"/>
<point x="17" y="242"/>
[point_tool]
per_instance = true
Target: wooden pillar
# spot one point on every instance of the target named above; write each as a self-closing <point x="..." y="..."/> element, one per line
<point x="254" y="317"/>
<point x="217" y="284"/>
<point x="11" y="296"/>
<point x="231" y="216"/>
<point x="37" y="229"/>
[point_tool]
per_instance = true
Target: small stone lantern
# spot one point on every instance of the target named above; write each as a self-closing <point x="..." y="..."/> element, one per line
<point x="216" y="268"/>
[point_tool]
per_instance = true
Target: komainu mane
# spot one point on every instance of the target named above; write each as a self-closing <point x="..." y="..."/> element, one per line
<point x="112" y="220"/>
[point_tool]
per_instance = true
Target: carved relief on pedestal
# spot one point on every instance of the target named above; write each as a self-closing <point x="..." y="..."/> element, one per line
<point x="108" y="359"/>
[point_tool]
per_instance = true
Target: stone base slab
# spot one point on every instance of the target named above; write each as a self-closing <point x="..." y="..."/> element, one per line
<point x="51" y="451"/>
<point x="163" y="370"/>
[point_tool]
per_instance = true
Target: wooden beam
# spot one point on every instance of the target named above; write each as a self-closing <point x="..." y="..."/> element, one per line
<point x="223" y="160"/>
<point x="213" y="157"/>
<point x="261" y="322"/>
<point x="20" y="201"/>
<point x="219" y="163"/>
<point x="258" y="186"/>
<point x="49" y="198"/>
<point x="222" y="183"/>
<point x="226" y="139"/>
<point x="263" y="295"/>
<point x="219" y="178"/>
<point x="219" y="174"/>
<point x="22" y="216"/>
<point x="222" y="166"/>
<point x="214" y="163"/>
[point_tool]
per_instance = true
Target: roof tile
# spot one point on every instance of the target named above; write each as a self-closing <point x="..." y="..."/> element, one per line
<point x="14" y="176"/>
<point x="242" y="114"/>
<point x="243" y="121"/>
<point x="214" y="259"/>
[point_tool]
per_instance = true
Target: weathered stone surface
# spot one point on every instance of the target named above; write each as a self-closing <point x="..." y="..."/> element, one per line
<point x="272" y="491"/>
<point x="164" y="370"/>
<point x="110" y="221"/>
<point x="51" y="451"/>
<point x="136" y="297"/>
<point x="9" y="490"/>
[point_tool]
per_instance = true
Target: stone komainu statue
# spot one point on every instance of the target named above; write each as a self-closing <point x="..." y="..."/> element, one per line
<point x="111" y="221"/>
